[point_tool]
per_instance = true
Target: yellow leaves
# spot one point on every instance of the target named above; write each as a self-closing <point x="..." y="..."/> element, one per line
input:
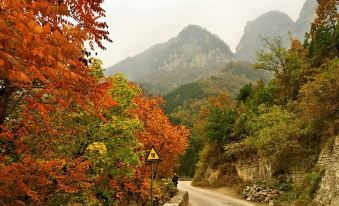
<point x="97" y="147"/>
<point x="38" y="29"/>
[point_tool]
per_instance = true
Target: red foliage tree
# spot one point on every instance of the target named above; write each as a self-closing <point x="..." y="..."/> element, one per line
<point x="170" y="140"/>
<point x="42" y="72"/>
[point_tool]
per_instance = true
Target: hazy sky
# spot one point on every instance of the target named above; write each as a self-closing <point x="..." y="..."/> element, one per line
<point x="136" y="25"/>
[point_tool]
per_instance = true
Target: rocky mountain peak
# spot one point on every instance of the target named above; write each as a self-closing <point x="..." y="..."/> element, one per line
<point x="194" y="31"/>
<point x="193" y="53"/>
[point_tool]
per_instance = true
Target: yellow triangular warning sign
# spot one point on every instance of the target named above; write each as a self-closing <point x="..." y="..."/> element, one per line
<point x="153" y="155"/>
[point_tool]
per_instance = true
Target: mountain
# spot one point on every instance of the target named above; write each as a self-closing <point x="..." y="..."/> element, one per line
<point x="306" y="17"/>
<point x="193" y="54"/>
<point x="273" y="24"/>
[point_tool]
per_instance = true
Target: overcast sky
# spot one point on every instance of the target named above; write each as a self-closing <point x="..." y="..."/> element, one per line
<point x="136" y="25"/>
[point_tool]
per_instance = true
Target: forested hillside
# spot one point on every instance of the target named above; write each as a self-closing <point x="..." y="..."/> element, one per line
<point x="281" y="135"/>
<point x="183" y="104"/>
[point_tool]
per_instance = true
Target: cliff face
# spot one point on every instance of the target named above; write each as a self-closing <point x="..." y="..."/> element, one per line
<point x="273" y="24"/>
<point x="328" y="192"/>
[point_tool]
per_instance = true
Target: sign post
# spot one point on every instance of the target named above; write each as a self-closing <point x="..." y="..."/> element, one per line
<point x="152" y="157"/>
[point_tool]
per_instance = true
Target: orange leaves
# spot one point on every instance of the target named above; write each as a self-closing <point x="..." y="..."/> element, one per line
<point x="44" y="80"/>
<point x="20" y="180"/>
<point x="36" y="179"/>
<point x="53" y="104"/>
<point x="2" y="63"/>
<point x="19" y="77"/>
<point x="33" y="26"/>
<point x="38" y="74"/>
<point x="74" y="177"/>
<point x="327" y="15"/>
<point x="170" y="140"/>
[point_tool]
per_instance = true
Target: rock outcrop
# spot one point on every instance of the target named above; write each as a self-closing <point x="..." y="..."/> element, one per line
<point x="260" y="170"/>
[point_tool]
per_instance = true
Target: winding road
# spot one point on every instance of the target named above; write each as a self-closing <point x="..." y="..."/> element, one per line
<point x="203" y="197"/>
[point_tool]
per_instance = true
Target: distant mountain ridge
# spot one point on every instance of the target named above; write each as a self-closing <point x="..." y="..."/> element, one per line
<point x="195" y="53"/>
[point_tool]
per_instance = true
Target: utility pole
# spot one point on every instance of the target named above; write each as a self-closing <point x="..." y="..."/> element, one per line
<point x="152" y="172"/>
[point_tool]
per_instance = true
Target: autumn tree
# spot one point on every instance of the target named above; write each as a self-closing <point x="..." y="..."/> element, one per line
<point x="170" y="140"/>
<point x="319" y="99"/>
<point x="323" y="39"/>
<point x="42" y="76"/>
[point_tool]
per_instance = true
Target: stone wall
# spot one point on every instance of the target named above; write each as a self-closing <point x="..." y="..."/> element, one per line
<point x="328" y="192"/>
<point x="181" y="199"/>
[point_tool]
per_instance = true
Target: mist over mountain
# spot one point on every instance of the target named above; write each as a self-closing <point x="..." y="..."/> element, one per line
<point x="273" y="24"/>
<point x="191" y="55"/>
<point x="195" y="53"/>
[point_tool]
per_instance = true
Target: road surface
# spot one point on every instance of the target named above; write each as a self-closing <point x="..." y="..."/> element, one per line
<point x="203" y="197"/>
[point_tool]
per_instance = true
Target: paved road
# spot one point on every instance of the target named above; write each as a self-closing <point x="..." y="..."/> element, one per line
<point x="202" y="197"/>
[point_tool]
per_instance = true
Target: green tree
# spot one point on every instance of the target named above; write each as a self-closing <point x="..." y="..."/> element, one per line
<point x="96" y="68"/>
<point x="289" y="67"/>
<point x="245" y="92"/>
<point x="188" y="162"/>
<point x="276" y="134"/>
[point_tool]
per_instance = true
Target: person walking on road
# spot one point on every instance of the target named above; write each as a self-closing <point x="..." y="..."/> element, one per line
<point x="175" y="179"/>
